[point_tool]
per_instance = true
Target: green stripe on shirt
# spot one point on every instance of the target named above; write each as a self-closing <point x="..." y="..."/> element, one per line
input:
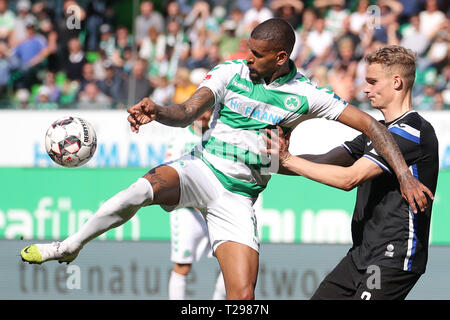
<point x="235" y="185"/>
<point x="280" y="99"/>
<point x="234" y="153"/>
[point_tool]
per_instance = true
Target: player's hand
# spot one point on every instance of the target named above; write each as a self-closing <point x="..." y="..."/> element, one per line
<point x="141" y="113"/>
<point x="414" y="192"/>
<point x="277" y="144"/>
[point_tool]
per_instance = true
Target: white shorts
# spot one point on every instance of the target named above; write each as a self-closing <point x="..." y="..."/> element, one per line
<point x="229" y="216"/>
<point x="189" y="236"/>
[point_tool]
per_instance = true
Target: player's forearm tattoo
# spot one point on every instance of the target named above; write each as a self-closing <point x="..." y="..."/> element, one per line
<point x="183" y="114"/>
<point x="385" y="145"/>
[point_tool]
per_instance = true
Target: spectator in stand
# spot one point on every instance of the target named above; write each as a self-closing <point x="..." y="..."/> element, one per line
<point x="301" y="33"/>
<point x="289" y="10"/>
<point x="318" y="46"/>
<point x="438" y="53"/>
<point x="199" y="52"/>
<point x="427" y="98"/>
<point x="335" y="14"/>
<point x="342" y="75"/>
<point x="75" y="61"/>
<point x="112" y="84"/>
<point x="92" y="98"/>
<point x="7" y="20"/>
<point x="164" y="92"/>
<point x="320" y="77"/>
<point x="214" y="57"/>
<point x="413" y="38"/>
<point x="107" y="40"/>
<point x="228" y="43"/>
<point x="99" y="65"/>
<point x="257" y="14"/>
<point x="347" y="57"/>
<point x="128" y="60"/>
<point x="431" y="19"/>
<point x="173" y="12"/>
<point x="136" y="86"/>
<point x="237" y="16"/>
<point x="147" y="19"/>
<point x="123" y="40"/>
<point x="19" y="33"/>
<point x="28" y="55"/>
<point x="175" y="46"/>
<point x="184" y="88"/>
<point x="50" y="82"/>
<point x="50" y="51"/>
<point x="307" y="25"/>
<point x="347" y="33"/>
<point x="87" y="75"/>
<point x="360" y="17"/>
<point x="43" y="100"/>
<point x="200" y="18"/>
<point x="152" y="46"/>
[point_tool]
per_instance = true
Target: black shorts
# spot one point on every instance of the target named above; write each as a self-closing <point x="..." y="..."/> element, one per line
<point x="346" y="282"/>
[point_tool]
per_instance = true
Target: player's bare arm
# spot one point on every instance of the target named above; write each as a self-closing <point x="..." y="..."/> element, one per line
<point x="412" y="190"/>
<point x="278" y="145"/>
<point x="176" y="115"/>
<point x="341" y="177"/>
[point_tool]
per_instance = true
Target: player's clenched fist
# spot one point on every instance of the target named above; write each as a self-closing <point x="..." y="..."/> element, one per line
<point x="141" y="113"/>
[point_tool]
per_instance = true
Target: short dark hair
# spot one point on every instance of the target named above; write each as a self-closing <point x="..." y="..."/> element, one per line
<point x="278" y="31"/>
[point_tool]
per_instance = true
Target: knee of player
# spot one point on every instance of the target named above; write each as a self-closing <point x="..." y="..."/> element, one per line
<point x="244" y="293"/>
<point x="141" y="192"/>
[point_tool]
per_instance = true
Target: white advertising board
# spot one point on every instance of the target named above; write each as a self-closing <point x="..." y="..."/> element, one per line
<point x="23" y="134"/>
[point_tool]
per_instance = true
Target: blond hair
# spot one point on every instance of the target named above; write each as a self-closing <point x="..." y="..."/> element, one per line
<point x="396" y="59"/>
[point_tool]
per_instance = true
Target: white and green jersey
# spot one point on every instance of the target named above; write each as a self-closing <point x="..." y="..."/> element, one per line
<point x="243" y="110"/>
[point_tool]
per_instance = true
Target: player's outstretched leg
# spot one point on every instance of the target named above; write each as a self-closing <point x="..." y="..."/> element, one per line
<point x="113" y="213"/>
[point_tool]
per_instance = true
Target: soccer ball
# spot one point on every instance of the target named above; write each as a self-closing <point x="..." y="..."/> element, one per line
<point x="70" y="141"/>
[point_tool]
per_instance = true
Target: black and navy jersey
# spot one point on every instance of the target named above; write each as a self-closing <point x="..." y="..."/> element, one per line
<point x="385" y="230"/>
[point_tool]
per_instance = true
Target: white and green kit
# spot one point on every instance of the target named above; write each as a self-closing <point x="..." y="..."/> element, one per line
<point x="188" y="229"/>
<point x="231" y="149"/>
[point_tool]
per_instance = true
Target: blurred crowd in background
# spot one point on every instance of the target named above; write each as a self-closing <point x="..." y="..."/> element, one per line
<point x="107" y="54"/>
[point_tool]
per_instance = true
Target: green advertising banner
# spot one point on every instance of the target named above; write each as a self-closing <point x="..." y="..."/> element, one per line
<point x="52" y="203"/>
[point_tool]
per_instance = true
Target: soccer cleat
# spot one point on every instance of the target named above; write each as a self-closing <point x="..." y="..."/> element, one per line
<point x="39" y="253"/>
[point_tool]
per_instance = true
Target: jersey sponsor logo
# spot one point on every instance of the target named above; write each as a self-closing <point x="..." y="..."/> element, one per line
<point x="292" y="102"/>
<point x="389" y="250"/>
<point x="207" y="77"/>
<point x="252" y="110"/>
